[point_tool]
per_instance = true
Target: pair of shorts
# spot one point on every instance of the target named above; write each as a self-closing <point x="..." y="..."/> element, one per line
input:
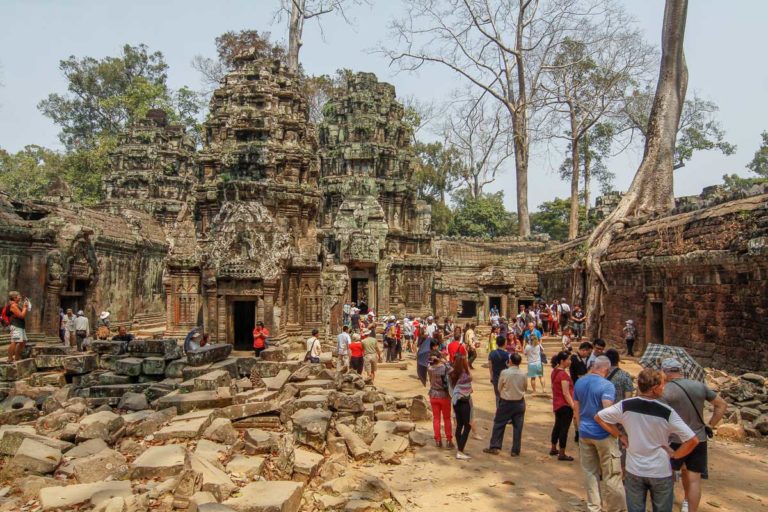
<point x="535" y="370"/>
<point x="371" y="363"/>
<point x="18" y="334"/>
<point x="696" y="461"/>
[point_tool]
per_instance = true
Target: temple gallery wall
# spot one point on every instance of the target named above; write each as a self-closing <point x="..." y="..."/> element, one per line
<point x="277" y="220"/>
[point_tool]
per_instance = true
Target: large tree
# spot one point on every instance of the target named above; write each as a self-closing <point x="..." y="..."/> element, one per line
<point x="484" y="216"/>
<point x="588" y="82"/>
<point x="651" y="191"/>
<point x="500" y="47"/>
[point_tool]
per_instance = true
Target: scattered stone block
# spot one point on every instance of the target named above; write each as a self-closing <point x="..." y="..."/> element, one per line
<point x="214" y="480"/>
<point x="201" y="498"/>
<point x="167" y="349"/>
<point x="130" y="366"/>
<point x="105" y="465"/>
<point x="160" y="462"/>
<point x="87" y="448"/>
<point x="264" y="496"/>
<point x="356" y="446"/>
<point x="212" y="380"/>
<point x="110" y="378"/>
<point x="109" y="347"/>
<point x="385" y="442"/>
<point x="209" y="354"/>
<point x="80" y="364"/>
<point x="48" y="379"/>
<point x="420" y="409"/>
<point x="259" y="441"/>
<point x="11" y="437"/>
<point x="174" y="369"/>
<point x="153" y="366"/>
<point x="221" y="430"/>
<point x="211" y="451"/>
<point x="17" y="370"/>
<point x="100" y="425"/>
<point x="247" y="466"/>
<point x="240" y="411"/>
<point x="306" y="463"/>
<point x="144" y="425"/>
<point x="343" y="402"/>
<point x="273" y="354"/>
<point x="229" y="365"/>
<point x="196" y="400"/>
<point x="52" y="498"/>
<point x="310" y="427"/>
<point x="36" y="457"/>
<point x="133" y="402"/>
<point x="188" y="429"/>
<point x="314" y="383"/>
<point x="49" y="361"/>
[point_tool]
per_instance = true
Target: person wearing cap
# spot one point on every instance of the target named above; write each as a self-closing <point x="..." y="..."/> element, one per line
<point x="82" y="329"/>
<point x="599" y="453"/>
<point x="630" y="335"/>
<point x="648" y="424"/>
<point x="356" y="354"/>
<point x="439" y="395"/>
<point x="512" y="386"/>
<point x="103" y="319"/>
<point x="408" y="333"/>
<point x="372" y="353"/>
<point x="687" y="397"/>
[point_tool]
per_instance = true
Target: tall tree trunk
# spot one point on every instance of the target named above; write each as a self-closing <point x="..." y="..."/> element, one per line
<point x="521" y="173"/>
<point x="573" y="220"/>
<point x="587" y="172"/>
<point x="651" y="191"/>
<point x="476" y="186"/>
<point x="295" y="29"/>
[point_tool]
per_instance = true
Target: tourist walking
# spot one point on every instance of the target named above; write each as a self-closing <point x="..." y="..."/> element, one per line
<point x="630" y="335"/>
<point x="342" y="349"/>
<point x="621" y="380"/>
<point x="492" y="337"/>
<point x="313" y="348"/>
<point x="390" y="339"/>
<point x="598" y="452"/>
<point x="82" y="329"/>
<point x="422" y="358"/>
<point x="533" y="353"/>
<point x="563" y="313"/>
<point x="567" y="340"/>
<point x="579" y="361"/>
<point x="598" y="347"/>
<point x="562" y="405"/>
<point x="554" y="323"/>
<point x="372" y="354"/>
<point x="260" y="339"/>
<point x="68" y="323"/>
<point x="649" y="425"/>
<point x="461" y="386"/>
<point x="579" y="321"/>
<point x="356" y="354"/>
<point x="511" y="407"/>
<point x="440" y="398"/>
<point x="15" y="312"/>
<point x="497" y="363"/>
<point x="686" y="397"/>
<point x="408" y="334"/>
<point x="456" y="346"/>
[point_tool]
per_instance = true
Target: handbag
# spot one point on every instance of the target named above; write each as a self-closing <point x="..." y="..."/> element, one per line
<point x="710" y="433"/>
<point x="308" y="355"/>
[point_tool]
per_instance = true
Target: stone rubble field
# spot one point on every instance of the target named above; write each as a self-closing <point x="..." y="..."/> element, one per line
<point x="138" y="426"/>
<point x="747" y="397"/>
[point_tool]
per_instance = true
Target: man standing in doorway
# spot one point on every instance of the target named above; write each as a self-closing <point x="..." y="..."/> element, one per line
<point x="260" y="336"/>
<point x="68" y="323"/>
<point x="687" y="398"/>
<point x="82" y="329"/>
<point x="598" y="451"/>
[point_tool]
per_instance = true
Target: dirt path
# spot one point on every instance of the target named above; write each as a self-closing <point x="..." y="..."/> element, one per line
<point x="433" y="479"/>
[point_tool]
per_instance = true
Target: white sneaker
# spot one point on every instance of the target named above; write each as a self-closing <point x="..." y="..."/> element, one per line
<point x="462" y="456"/>
<point x="684" y="506"/>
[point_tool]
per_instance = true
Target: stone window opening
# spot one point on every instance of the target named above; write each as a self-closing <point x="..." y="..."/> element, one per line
<point x="468" y="309"/>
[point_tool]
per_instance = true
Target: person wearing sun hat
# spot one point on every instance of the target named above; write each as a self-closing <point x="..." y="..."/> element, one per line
<point x="630" y="335"/>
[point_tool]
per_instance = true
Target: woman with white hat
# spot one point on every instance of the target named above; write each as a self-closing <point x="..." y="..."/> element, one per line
<point x="630" y="334"/>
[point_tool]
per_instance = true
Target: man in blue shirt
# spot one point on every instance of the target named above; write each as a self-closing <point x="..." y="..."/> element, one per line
<point x="531" y="330"/>
<point x="598" y="450"/>
<point x="497" y="363"/>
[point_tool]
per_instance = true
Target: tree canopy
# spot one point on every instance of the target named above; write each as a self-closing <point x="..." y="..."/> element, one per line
<point x="483" y="216"/>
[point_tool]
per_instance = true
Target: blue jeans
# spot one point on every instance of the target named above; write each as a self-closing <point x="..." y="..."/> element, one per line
<point x="508" y="411"/>
<point x="662" y="493"/>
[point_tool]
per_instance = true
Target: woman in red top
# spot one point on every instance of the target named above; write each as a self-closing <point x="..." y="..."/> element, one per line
<point x="562" y="403"/>
<point x="260" y="335"/>
<point x="356" y="359"/>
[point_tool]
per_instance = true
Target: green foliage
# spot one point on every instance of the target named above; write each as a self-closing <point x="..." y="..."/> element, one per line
<point x="320" y="89"/>
<point x="442" y="216"/>
<point x="230" y="44"/>
<point x="436" y="170"/>
<point x="484" y="216"/>
<point x="29" y="172"/>
<point x="759" y="163"/>
<point x="552" y="219"/>
<point x="594" y="151"/>
<point x="699" y="130"/>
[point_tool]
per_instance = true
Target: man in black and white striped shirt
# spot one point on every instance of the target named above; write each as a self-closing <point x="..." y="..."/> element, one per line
<point x="649" y="424"/>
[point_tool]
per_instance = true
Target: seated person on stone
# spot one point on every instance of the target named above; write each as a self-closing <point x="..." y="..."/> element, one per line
<point x="193" y="341"/>
<point x="123" y="335"/>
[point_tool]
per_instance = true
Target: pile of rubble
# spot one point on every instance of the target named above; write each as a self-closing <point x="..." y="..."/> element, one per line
<point x="747" y="397"/>
<point x="135" y="427"/>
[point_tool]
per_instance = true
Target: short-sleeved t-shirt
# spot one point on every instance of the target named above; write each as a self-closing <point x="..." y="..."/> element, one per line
<point x="590" y="390"/>
<point x="558" y="398"/>
<point x="356" y="349"/>
<point x="649" y="424"/>
<point x="370" y="346"/>
<point x="456" y="347"/>
<point x="676" y="399"/>
<point x="533" y="354"/>
<point x="498" y="361"/>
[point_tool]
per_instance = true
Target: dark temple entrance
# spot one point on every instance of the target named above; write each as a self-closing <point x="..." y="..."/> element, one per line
<point x="244" y="315"/>
<point x="657" y="323"/>
<point x="360" y="294"/>
<point x="495" y="302"/>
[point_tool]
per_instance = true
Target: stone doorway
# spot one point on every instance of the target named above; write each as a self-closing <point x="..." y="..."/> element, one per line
<point x="656" y="327"/>
<point x="495" y="302"/>
<point x="244" y="320"/>
<point x="74" y="297"/>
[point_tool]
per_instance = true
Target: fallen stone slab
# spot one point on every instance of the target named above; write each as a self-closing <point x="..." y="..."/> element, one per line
<point x="306" y="463"/>
<point x="214" y="507"/>
<point x="11" y="437"/>
<point x="55" y="379"/>
<point x="259" y="442"/>
<point x="107" y="464"/>
<point x="229" y="365"/>
<point x="110" y="347"/>
<point x="254" y="395"/>
<point x="17" y="370"/>
<point x="49" y="361"/>
<point x="360" y="484"/>
<point x="85" y="449"/>
<point x="153" y="366"/>
<point x="310" y="427"/>
<point x="187" y="402"/>
<point x="315" y="383"/>
<point x="102" y="425"/>
<point x="241" y="411"/>
<point x="174" y="369"/>
<point x="355" y="444"/>
<point x="247" y="466"/>
<point x="160" y="462"/>
<point x="110" y="378"/>
<point x="221" y="430"/>
<point x="52" y="498"/>
<point x="168" y="349"/>
<point x="35" y="457"/>
<point x="211" y="451"/>
<point x="209" y="354"/>
<point x="189" y="429"/>
<point x="338" y="401"/>
<point x="130" y="366"/>
<point x="273" y="354"/>
<point x="80" y="363"/>
<point x="201" y="498"/>
<point x="212" y="380"/>
<point x="278" y="381"/>
<point x="144" y="423"/>
<point x="264" y="496"/>
<point x="386" y="442"/>
<point x="46" y="349"/>
<point x="214" y="480"/>
<point x="133" y="402"/>
<point x="272" y="368"/>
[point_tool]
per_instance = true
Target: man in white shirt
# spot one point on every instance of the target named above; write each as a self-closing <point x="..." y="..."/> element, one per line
<point x="313" y="348"/>
<point x="648" y="424"/>
<point x="342" y="349"/>
<point x="82" y="329"/>
<point x="431" y="327"/>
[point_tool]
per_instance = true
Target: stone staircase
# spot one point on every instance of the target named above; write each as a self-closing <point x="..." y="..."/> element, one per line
<point x="148" y="325"/>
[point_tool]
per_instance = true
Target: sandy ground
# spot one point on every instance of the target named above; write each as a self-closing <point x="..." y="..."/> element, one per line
<point x="433" y="479"/>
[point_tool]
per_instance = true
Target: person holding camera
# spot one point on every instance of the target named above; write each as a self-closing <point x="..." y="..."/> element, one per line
<point x="17" y="313"/>
<point x="687" y="398"/>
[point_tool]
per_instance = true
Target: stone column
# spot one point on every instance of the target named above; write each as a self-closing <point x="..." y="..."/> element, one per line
<point x="268" y="300"/>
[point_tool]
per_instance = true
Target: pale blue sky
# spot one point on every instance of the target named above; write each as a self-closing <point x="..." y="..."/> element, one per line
<point x="725" y="45"/>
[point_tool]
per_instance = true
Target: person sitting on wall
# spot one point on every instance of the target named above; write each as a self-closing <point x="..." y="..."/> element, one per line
<point x="193" y="340"/>
<point x="123" y="335"/>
